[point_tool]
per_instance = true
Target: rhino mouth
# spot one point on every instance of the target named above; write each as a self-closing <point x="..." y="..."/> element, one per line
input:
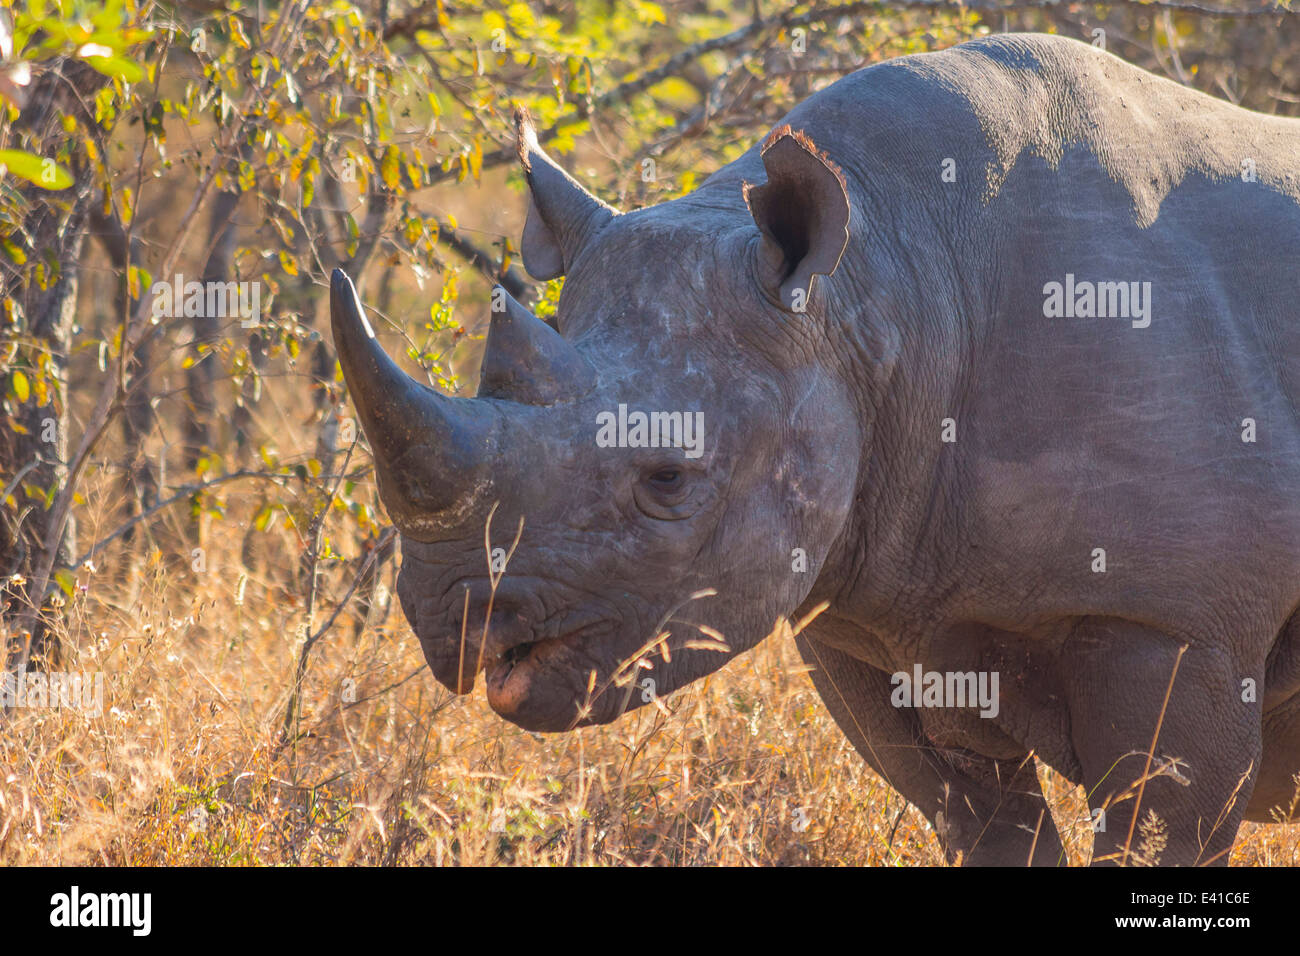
<point x="537" y="667"/>
<point x="541" y="683"/>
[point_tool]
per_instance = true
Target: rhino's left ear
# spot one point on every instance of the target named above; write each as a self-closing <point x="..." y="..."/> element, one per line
<point x="803" y="213"/>
<point x="562" y="216"/>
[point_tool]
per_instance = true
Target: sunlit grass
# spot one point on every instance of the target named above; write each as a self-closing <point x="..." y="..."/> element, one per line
<point x="186" y="764"/>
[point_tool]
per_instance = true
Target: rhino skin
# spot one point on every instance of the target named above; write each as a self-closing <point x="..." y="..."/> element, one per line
<point x="870" y="280"/>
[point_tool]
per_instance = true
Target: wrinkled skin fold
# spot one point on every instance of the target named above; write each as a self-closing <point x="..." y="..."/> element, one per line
<point x="879" y="410"/>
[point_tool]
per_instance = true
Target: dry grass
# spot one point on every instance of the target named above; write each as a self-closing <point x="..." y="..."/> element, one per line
<point x="185" y="766"/>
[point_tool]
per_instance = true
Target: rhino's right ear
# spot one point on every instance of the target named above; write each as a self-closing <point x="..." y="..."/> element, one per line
<point x="802" y="212"/>
<point x="562" y="216"/>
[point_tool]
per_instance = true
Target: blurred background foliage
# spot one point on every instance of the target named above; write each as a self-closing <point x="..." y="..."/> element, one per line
<point x="270" y="142"/>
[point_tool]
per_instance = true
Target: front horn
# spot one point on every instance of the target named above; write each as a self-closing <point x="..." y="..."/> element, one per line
<point x="432" y="452"/>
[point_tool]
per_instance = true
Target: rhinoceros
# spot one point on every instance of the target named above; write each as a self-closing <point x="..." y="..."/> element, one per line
<point x="991" y="354"/>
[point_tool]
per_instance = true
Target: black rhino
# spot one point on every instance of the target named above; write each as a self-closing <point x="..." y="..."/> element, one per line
<point x="996" y="351"/>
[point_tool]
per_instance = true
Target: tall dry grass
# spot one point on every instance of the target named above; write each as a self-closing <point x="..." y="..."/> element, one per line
<point x="186" y="764"/>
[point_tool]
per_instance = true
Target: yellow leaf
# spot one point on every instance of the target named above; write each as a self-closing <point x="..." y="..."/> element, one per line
<point x="136" y="278"/>
<point x="237" y="32"/>
<point x="21" y="388"/>
<point x="391" y="166"/>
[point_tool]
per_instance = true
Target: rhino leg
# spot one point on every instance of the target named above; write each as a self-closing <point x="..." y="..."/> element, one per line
<point x="1275" y="795"/>
<point x="1117" y="675"/>
<point x="987" y="811"/>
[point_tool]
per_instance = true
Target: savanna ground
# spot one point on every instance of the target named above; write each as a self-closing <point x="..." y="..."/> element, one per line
<point x="189" y="765"/>
<point x="185" y="498"/>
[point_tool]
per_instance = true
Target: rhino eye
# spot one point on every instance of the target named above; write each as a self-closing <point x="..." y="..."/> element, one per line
<point x="666" y="492"/>
<point x="665" y="480"/>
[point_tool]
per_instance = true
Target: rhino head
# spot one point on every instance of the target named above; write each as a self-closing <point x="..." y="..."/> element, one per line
<point x="638" y="560"/>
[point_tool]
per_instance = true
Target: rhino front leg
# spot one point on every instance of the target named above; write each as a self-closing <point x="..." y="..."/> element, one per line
<point x="987" y="811"/>
<point x="1205" y="761"/>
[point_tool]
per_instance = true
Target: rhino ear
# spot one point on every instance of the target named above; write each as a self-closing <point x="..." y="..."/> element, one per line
<point x="562" y="216"/>
<point x="802" y="212"/>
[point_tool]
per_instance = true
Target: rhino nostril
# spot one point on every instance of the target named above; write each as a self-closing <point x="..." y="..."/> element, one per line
<point x="505" y="630"/>
<point x="518" y="653"/>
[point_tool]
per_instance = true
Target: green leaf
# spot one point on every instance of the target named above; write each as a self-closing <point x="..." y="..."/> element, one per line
<point x="263" y="518"/>
<point x="137" y="279"/>
<point x="13" y="251"/>
<point x="117" y="67"/>
<point x="42" y="172"/>
<point x="67" y="581"/>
